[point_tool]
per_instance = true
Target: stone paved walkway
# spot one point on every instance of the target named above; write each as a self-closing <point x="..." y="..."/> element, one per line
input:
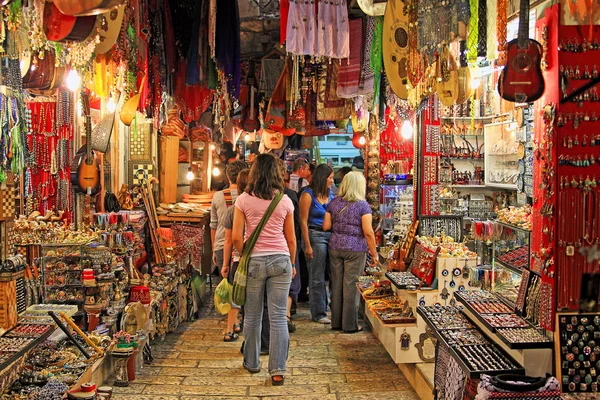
<point x="194" y="363"/>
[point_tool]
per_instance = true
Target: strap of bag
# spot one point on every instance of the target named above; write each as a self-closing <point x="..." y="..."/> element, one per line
<point x="228" y="198"/>
<point x="251" y="242"/>
<point x="341" y="211"/>
<point x="525" y="383"/>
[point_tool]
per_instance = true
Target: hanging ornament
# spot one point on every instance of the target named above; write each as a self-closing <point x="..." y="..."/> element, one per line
<point x="405" y="340"/>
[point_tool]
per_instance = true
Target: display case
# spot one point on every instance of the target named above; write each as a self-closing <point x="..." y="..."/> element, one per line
<point x="511" y="249"/>
<point x="511" y="257"/>
<point x="397" y="205"/>
<point x="62" y="267"/>
<point x="501" y="155"/>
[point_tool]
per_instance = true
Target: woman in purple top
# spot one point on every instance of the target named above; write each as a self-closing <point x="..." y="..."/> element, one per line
<point x="349" y="218"/>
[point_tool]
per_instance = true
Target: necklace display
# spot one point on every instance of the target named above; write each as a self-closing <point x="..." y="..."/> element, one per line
<point x="49" y="134"/>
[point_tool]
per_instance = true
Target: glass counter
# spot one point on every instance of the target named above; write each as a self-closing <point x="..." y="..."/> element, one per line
<point x="501" y="155"/>
<point x="511" y="257"/>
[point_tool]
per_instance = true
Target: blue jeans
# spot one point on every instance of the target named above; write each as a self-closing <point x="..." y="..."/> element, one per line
<point x="316" y="273"/>
<point x="275" y="274"/>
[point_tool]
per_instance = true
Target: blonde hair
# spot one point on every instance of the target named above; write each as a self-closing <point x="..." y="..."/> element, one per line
<point x="353" y="187"/>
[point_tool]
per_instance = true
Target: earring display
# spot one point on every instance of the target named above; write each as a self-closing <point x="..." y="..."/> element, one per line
<point x="403" y="280"/>
<point x="444" y="317"/>
<point x="525" y="336"/>
<point x="515" y="331"/>
<point x="473" y="351"/>
<point x="577" y="338"/>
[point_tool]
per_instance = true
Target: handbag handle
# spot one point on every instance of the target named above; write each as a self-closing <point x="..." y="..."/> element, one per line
<point x="526" y="383"/>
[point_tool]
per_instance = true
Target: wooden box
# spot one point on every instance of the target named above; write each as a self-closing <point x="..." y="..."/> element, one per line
<point x="168" y="168"/>
<point x="8" y="300"/>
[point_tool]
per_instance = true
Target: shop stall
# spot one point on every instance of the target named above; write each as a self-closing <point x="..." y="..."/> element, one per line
<point x="474" y="122"/>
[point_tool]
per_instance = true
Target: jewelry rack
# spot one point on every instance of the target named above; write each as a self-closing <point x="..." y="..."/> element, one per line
<point x="577" y="352"/>
<point x="566" y="167"/>
<point x="450" y="225"/>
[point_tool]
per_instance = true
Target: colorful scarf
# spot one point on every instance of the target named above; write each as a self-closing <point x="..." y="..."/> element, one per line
<point x="366" y="81"/>
<point x="350" y="70"/>
<point x="190" y="240"/>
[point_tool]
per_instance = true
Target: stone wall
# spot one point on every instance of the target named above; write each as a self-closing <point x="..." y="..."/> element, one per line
<point x="259" y="30"/>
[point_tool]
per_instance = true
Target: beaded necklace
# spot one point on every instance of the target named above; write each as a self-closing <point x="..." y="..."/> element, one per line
<point x="501" y="12"/>
<point x="4" y="130"/>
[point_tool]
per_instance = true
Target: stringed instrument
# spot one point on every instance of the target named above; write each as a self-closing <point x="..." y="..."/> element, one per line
<point x="521" y="80"/>
<point x="86" y="7"/>
<point x="464" y="76"/>
<point x="447" y="85"/>
<point x="109" y="29"/>
<point x="372" y="8"/>
<point x="59" y="27"/>
<point x="85" y="176"/>
<point x="395" y="47"/>
<point x="250" y="123"/>
<point x="399" y="263"/>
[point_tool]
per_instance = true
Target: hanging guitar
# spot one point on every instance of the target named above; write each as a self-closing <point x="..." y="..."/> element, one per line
<point x="85" y="169"/>
<point x="250" y="123"/>
<point x="521" y="80"/>
<point x="447" y="85"/>
<point x="395" y="47"/>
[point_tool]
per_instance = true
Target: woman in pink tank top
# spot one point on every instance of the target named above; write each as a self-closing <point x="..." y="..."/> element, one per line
<point x="270" y="268"/>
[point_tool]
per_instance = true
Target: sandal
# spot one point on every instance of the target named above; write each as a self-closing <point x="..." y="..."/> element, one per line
<point x="230" y="337"/>
<point x="237" y="329"/>
<point x="291" y="325"/>
<point x="277" y="380"/>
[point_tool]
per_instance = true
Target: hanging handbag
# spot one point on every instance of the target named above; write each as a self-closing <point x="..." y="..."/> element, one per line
<point x="241" y="275"/>
<point x="518" y="387"/>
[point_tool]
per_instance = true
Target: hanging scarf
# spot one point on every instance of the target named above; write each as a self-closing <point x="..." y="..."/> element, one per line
<point x="228" y="44"/>
<point x="349" y="71"/>
<point x="473" y="34"/>
<point x="377" y="57"/>
<point x="192" y="75"/>
<point x="365" y="84"/>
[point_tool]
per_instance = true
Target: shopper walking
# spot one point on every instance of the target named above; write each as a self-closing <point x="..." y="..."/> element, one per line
<point x="270" y="267"/>
<point x="300" y="171"/>
<point x="313" y="204"/>
<point x="349" y="218"/>
<point x="221" y="201"/>
<point x="231" y="258"/>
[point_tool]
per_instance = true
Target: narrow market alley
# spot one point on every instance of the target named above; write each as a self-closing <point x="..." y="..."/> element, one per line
<point x="194" y="363"/>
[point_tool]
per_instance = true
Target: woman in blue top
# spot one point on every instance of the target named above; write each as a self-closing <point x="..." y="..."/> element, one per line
<point x="313" y="205"/>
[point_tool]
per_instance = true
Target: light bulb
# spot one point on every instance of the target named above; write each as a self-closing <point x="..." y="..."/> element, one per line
<point x="33" y="67"/>
<point x="212" y="146"/>
<point x="407" y="130"/>
<point x="111" y="106"/>
<point x="190" y="175"/>
<point x="216" y="171"/>
<point x="73" y="80"/>
<point x="362" y="140"/>
<point x="247" y="137"/>
<point x="475" y="76"/>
